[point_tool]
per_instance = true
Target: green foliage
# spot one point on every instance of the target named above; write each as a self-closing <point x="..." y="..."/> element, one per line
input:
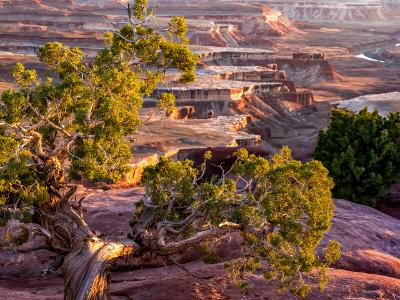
<point x="208" y="256"/>
<point x="76" y="124"/>
<point x="294" y="200"/>
<point x="101" y="161"/>
<point x="282" y="206"/>
<point x="176" y="179"/>
<point x="166" y="103"/>
<point x="18" y="183"/>
<point x="169" y="177"/>
<point x="25" y="78"/>
<point x="178" y="27"/>
<point x="8" y="147"/>
<point x="5" y="216"/>
<point x="19" y="237"/>
<point x="22" y="237"/>
<point x="362" y="153"/>
<point x="140" y="9"/>
<point x="13" y="105"/>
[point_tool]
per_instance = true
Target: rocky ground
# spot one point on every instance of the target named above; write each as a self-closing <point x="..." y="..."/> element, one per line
<point x="369" y="267"/>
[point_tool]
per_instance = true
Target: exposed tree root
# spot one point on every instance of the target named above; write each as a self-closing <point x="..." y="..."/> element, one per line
<point x="86" y="268"/>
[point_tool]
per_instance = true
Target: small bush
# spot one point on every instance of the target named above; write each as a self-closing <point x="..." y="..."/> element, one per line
<point x="362" y="153"/>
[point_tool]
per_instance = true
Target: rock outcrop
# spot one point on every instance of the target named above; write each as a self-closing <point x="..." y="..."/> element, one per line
<point x="368" y="269"/>
<point x="345" y="10"/>
<point x="233" y="24"/>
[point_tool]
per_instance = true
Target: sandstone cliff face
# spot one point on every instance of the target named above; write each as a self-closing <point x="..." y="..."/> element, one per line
<point x="237" y="30"/>
<point x="301" y="71"/>
<point x="386" y="54"/>
<point x="307" y="72"/>
<point x="24" y="26"/>
<point x="317" y="11"/>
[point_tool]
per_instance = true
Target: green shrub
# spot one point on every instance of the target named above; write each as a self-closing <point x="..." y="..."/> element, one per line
<point x="362" y="153"/>
<point x="281" y="207"/>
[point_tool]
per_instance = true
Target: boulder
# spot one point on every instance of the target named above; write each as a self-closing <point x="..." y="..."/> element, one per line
<point x="222" y="158"/>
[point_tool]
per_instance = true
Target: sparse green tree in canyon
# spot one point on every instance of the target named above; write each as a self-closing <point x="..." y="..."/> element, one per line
<point x="362" y="153"/>
<point x="77" y="124"/>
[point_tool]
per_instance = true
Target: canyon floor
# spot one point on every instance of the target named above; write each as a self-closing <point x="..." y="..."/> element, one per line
<point x="370" y="263"/>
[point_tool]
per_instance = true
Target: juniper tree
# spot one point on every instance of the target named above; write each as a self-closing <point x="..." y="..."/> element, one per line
<point x="77" y="124"/>
<point x="281" y="207"/>
<point x="361" y="151"/>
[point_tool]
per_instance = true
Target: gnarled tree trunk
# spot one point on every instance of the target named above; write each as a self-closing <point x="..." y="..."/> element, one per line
<point x="86" y="268"/>
<point x="87" y="257"/>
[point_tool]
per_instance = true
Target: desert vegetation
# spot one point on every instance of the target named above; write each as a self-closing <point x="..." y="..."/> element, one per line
<point x="361" y="152"/>
<point x="77" y="122"/>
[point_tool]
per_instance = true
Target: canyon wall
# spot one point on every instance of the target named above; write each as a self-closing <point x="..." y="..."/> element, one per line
<point x="302" y="71"/>
<point x="250" y="25"/>
<point x="307" y="71"/>
<point x="314" y="10"/>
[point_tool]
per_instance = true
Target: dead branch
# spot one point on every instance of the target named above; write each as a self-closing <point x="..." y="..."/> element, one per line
<point x="70" y="192"/>
<point x="77" y="206"/>
<point x="54" y="265"/>
<point x="164" y="249"/>
<point x="46" y="119"/>
<point x="42" y="231"/>
<point x="43" y="246"/>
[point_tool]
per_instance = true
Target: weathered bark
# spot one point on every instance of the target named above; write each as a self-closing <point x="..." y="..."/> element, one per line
<point x="87" y="257"/>
<point x="165" y="249"/>
<point x="85" y="268"/>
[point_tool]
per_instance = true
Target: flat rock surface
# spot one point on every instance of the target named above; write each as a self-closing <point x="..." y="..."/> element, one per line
<point x="369" y="267"/>
<point x="162" y="136"/>
<point x="173" y="283"/>
<point x="384" y="103"/>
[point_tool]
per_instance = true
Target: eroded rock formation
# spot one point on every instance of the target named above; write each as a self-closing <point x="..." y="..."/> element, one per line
<point x="344" y="10"/>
